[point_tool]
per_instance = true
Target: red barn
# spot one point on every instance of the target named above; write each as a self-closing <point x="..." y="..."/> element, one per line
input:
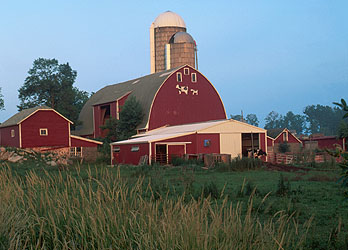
<point x="324" y="142"/>
<point x="221" y="137"/>
<point x="41" y="128"/>
<point x="177" y="96"/>
<point x="283" y="135"/>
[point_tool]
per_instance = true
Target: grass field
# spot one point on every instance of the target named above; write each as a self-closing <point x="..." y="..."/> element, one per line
<point x="158" y="207"/>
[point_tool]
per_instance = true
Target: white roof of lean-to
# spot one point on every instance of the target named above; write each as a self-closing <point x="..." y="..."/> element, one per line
<point x="169" y="132"/>
<point x="169" y="19"/>
<point x="187" y="129"/>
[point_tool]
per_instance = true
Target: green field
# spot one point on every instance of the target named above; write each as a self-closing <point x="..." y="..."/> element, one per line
<point x="166" y="207"/>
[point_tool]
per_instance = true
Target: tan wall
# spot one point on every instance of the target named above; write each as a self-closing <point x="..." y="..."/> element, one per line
<point x="231" y="126"/>
<point x="231" y="144"/>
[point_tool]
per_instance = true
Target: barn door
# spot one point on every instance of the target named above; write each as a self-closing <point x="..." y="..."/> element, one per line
<point x="161" y="153"/>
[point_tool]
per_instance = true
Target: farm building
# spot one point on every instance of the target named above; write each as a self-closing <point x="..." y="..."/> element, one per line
<point x="213" y="137"/>
<point x="44" y="129"/>
<point x="323" y="142"/>
<point x="276" y="137"/>
<point x="177" y="96"/>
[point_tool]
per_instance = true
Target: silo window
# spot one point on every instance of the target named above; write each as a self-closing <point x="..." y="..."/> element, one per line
<point x="186" y="71"/>
<point x="179" y="77"/>
<point x="193" y="77"/>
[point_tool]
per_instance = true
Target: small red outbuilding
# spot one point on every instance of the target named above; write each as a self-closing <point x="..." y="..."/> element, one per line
<point x="42" y="128"/>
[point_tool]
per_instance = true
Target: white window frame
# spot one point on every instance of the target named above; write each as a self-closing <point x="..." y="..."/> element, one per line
<point x="116" y="149"/>
<point x="42" y="130"/>
<point x="178" y="77"/>
<point x="13" y="134"/>
<point x="135" y="149"/>
<point x="74" y="152"/>
<point x="186" y="71"/>
<point x="194" y="75"/>
<point x="285" y="137"/>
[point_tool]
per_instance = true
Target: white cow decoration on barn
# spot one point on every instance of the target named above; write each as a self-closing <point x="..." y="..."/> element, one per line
<point x="183" y="89"/>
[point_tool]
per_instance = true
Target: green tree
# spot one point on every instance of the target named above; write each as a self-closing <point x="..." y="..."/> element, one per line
<point x="2" y="105"/>
<point x="273" y="120"/>
<point x="131" y="116"/>
<point x="294" y="122"/>
<point x="236" y="117"/>
<point x="323" y="119"/>
<point x="50" y="83"/>
<point x="252" y="119"/>
<point x="344" y="155"/>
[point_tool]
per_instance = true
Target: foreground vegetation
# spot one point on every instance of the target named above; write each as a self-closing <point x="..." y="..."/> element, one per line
<point x="155" y="207"/>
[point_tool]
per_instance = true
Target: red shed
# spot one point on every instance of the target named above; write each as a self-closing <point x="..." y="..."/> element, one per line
<point x="324" y="142"/>
<point x="43" y="128"/>
<point x="283" y="135"/>
<point x="36" y="127"/>
<point x="221" y="137"/>
<point x="172" y="97"/>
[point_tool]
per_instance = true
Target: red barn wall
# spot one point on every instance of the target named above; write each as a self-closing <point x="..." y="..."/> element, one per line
<point x="214" y="146"/>
<point x="125" y="156"/>
<point x="170" y="107"/>
<point x="58" y="130"/>
<point x="98" y="132"/>
<point x="6" y="139"/>
<point x="328" y="143"/>
<point x="176" y="150"/>
<point x="292" y="138"/>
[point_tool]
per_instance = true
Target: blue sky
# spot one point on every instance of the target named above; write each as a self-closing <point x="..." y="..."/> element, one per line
<point x="260" y="55"/>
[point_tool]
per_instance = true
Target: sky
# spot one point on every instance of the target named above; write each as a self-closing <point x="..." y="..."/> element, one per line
<point x="261" y="56"/>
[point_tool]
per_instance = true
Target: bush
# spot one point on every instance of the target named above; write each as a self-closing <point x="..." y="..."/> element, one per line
<point x="284" y="147"/>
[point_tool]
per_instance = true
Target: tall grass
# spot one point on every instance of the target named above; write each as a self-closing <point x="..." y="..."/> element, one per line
<point x="103" y="211"/>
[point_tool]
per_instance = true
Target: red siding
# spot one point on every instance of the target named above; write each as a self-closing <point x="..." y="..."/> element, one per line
<point x="262" y="137"/>
<point x="292" y="139"/>
<point x="75" y="142"/>
<point x="214" y="143"/>
<point x="98" y="132"/>
<point x="6" y="139"/>
<point x="121" y="102"/>
<point x="58" y="130"/>
<point x="176" y="150"/>
<point x="170" y="107"/>
<point x="197" y="143"/>
<point x="329" y="143"/>
<point x="269" y="142"/>
<point x="125" y="156"/>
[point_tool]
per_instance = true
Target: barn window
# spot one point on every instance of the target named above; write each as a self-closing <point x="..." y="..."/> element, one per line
<point x="76" y="151"/>
<point x="12" y="133"/>
<point x="117" y="149"/>
<point x="179" y="77"/>
<point x="135" y="149"/>
<point x="186" y="71"/>
<point x="43" y="131"/>
<point x="285" y="136"/>
<point x="193" y="77"/>
<point x="207" y="143"/>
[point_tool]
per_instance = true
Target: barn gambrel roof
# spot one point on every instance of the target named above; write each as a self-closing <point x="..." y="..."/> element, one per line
<point x="144" y="89"/>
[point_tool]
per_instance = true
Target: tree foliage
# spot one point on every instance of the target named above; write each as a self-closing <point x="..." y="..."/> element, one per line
<point x="50" y="83"/>
<point x="250" y="119"/>
<point x="323" y="119"/>
<point x="2" y="104"/>
<point x="131" y="116"/>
